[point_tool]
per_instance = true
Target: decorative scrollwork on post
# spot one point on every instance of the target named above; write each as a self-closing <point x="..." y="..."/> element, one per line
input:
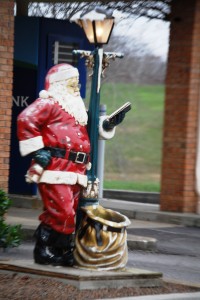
<point x="107" y="56"/>
<point x="89" y="59"/>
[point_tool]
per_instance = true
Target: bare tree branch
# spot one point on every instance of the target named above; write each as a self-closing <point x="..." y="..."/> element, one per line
<point x="152" y="9"/>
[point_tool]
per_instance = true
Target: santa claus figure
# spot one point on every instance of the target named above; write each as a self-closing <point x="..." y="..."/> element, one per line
<point x="53" y="130"/>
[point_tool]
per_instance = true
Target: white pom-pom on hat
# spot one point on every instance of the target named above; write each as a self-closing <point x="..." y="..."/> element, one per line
<point x="44" y="94"/>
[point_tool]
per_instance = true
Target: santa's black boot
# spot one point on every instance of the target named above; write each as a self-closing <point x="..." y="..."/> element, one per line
<point x="65" y="243"/>
<point x="44" y="252"/>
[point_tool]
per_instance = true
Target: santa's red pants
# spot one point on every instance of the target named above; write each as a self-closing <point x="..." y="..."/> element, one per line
<point x="60" y="204"/>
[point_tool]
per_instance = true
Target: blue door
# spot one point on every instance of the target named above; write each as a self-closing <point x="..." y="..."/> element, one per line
<point x="50" y="42"/>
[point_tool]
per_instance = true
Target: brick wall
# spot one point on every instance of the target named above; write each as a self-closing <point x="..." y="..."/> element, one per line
<point x="181" y="109"/>
<point x="6" y="79"/>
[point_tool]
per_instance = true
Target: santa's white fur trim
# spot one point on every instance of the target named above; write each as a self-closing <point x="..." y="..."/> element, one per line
<point x="105" y="135"/>
<point x="37" y="168"/>
<point x="82" y="180"/>
<point x="28" y="146"/>
<point x="63" y="75"/>
<point x="44" y="94"/>
<point x="61" y="177"/>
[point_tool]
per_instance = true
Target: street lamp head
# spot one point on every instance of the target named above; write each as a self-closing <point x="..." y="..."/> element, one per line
<point x="97" y="24"/>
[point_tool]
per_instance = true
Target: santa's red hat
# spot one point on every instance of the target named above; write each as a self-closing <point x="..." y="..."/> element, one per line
<point x="60" y="72"/>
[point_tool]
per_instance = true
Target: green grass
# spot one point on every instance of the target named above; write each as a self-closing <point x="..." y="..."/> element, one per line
<point x="133" y="156"/>
<point x="131" y="185"/>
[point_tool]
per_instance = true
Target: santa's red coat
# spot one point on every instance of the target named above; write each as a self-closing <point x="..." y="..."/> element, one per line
<point x="45" y="123"/>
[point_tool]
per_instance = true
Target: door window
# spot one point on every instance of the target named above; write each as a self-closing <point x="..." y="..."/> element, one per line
<point x="62" y="53"/>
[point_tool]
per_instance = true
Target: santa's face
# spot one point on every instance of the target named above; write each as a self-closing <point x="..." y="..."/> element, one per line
<point x="73" y="86"/>
<point x="67" y="94"/>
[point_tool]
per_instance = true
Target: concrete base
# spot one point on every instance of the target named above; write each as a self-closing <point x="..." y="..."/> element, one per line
<point x="86" y="279"/>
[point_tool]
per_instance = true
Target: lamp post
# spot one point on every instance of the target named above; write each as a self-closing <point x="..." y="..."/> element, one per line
<point x="97" y="24"/>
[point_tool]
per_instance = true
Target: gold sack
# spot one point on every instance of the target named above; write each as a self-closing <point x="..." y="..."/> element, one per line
<point x="101" y="240"/>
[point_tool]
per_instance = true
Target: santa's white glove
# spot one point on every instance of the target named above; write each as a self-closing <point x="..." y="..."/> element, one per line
<point x="105" y="134"/>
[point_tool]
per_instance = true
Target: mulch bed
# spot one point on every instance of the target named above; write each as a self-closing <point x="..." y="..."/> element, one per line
<point x="15" y="286"/>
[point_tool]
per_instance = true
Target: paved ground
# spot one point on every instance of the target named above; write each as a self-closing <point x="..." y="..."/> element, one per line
<point x="177" y="249"/>
<point x="176" y="254"/>
<point x="174" y="240"/>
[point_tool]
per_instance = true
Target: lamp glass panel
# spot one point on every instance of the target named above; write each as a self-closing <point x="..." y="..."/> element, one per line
<point x="103" y="29"/>
<point x="88" y="29"/>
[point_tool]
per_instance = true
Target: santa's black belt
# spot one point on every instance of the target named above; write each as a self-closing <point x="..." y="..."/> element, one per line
<point x="77" y="157"/>
<point x="98" y="226"/>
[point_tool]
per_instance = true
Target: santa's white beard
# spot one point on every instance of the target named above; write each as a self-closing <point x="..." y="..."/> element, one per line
<point x="74" y="105"/>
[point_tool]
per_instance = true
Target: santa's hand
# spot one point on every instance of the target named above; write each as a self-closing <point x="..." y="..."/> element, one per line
<point x="119" y="118"/>
<point x="42" y="157"/>
<point x="109" y="124"/>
